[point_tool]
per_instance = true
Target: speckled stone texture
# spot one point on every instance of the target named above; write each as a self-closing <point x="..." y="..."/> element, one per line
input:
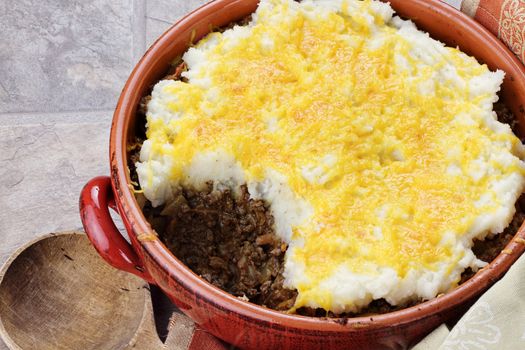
<point x="64" y="55"/>
<point x="161" y="14"/>
<point x="43" y="168"/>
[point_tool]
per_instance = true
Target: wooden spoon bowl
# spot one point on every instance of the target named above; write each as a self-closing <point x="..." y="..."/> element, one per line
<point x="56" y="293"/>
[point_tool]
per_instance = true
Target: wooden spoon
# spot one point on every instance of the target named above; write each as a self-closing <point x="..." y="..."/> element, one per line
<point x="56" y="293"/>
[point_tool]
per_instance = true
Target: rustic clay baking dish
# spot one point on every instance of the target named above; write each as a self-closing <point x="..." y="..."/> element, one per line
<point x="238" y="322"/>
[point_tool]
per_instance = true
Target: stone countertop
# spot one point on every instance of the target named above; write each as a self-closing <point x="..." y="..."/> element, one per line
<point x="62" y="66"/>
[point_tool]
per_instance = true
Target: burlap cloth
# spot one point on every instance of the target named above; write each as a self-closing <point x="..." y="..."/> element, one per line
<point x="497" y="320"/>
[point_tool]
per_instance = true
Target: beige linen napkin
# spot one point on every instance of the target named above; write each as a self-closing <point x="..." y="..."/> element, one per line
<point x="495" y="321"/>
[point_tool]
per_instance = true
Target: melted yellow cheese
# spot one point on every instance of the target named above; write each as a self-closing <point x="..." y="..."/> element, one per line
<point x="352" y="130"/>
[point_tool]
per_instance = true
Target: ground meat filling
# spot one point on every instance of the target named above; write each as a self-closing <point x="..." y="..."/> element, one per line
<point x="229" y="239"/>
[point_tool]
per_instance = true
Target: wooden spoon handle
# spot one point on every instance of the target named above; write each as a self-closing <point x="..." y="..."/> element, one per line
<point x="95" y="200"/>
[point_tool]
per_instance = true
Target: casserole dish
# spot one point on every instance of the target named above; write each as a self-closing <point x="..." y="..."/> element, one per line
<point x="238" y="322"/>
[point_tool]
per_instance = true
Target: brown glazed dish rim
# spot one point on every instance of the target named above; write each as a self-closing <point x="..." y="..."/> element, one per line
<point x="131" y="94"/>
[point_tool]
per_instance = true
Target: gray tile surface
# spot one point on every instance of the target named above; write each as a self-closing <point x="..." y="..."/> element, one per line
<point x="64" y="55"/>
<point x="154" y="28"/>
<point x="169" y="10"/>
<point x="43" y="167"/>
<point x="161" y="14"/>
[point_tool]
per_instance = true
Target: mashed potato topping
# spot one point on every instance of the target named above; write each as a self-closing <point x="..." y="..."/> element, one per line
<point x="376" y="146"/>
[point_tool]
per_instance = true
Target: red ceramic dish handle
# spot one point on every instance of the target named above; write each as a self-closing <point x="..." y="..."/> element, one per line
<point x="95" y="200"/>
